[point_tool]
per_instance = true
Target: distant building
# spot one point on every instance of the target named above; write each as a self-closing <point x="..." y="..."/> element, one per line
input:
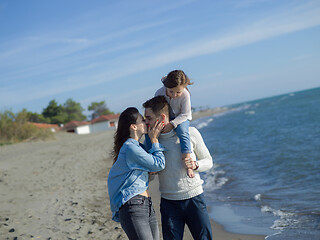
<point x="73" y="125"/>
<point x="52" y="127"/>
<point x="99" y="124"/>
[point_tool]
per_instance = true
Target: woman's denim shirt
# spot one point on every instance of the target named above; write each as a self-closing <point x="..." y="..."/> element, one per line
<point x="129" y="176"/>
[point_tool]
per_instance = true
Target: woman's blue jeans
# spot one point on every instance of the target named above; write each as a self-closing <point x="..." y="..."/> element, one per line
<point x="138" y="219"/>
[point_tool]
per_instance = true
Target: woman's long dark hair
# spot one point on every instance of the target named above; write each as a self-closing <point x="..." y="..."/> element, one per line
<point x="127" y="117"/>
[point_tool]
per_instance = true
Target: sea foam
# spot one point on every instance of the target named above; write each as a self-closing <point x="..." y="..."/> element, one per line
<point x="286" y="218"/>
<point x="215" y="179"/>
<point x="204" y="124"/>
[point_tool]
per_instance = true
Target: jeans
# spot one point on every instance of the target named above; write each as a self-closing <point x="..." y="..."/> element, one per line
<point x="138" y="219"/>
<point x="182" y="131"/>
<point x="193" y="212"/>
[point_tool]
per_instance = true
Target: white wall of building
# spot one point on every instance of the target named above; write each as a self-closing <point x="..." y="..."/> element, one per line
<point x="85" y="129"/>
<point x="96" y="127"/>
<point x="100" y="126"/>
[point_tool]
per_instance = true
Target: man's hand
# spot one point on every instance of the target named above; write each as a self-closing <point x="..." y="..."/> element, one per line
<point x="189" y="163"/>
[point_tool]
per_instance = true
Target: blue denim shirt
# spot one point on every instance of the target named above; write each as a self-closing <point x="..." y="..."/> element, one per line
<point x="129" y="176"/>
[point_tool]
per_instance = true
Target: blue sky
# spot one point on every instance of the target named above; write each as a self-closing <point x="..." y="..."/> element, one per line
<point x="117" y="51"/>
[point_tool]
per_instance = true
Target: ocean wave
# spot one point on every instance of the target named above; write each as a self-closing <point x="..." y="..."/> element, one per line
<point x="243" y="107"/>
<point x="277" y="233"/>
<point x="204" y="124"/>
<point x="257" y="197"/>
<point x="286" y="218"/>
<point x="215" y="179"/>
<point x="250" y="112"/>
<point x="283" y="98"/>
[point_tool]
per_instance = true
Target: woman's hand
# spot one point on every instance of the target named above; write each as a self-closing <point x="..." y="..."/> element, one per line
<point x="155" y="131"/>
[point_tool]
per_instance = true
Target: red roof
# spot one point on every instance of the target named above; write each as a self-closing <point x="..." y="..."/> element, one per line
<point x="45" y="125"/>
<point x="104" y="118"/>
<point x="73" y="124"/>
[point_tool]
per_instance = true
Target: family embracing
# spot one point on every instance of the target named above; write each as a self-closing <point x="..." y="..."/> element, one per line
<point x="173" y="150"/>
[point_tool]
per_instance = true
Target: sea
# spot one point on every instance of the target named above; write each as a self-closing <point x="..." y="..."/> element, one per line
<point x="266" y="174"/>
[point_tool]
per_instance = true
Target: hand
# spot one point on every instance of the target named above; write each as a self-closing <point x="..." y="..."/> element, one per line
<point x="155" y="131"/>
<point x="153" y="173"/>
<point x="168" y="127"/>
<point x="189" y="163"/>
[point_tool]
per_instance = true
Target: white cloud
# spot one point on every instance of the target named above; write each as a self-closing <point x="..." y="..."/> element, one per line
<point x="299" y="18"/>
<point x="262" y="30"/>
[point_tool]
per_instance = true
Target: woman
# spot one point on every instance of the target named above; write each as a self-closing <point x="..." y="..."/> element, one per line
<point x="128" y="178"/>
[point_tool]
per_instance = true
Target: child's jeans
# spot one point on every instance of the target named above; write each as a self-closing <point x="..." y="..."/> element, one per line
<point x="182" y="131"/>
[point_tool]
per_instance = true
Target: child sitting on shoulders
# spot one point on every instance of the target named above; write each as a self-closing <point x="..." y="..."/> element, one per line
<point x="177" y="94"/>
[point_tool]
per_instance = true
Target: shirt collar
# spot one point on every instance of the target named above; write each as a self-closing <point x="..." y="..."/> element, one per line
<point x="131" y="140"/>
<point x="168" y="134"/>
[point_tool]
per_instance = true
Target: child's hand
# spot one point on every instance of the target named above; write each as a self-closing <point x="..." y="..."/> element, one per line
<point x="168" y="127"/>
<point x="190" y="173"/>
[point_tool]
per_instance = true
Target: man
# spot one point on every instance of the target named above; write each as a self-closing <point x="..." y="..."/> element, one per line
<point x="182" y="200"/>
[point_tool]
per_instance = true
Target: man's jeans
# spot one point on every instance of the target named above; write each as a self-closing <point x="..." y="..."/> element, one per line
<point x="193" y="212"/>
<point x="138" y="219"/>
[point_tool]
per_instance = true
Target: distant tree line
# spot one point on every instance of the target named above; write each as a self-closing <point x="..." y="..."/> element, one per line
<point x="69" y="111"/>
<point x="16" y="127"/>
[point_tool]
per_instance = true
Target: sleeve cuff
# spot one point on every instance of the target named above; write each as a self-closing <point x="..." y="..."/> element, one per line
<point x="198" y="166"/>
<point x="173" y="124"/>
<point x="156" y="147"/>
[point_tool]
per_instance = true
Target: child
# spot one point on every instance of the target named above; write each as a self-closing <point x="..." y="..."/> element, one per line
<point x="177" y="94"/>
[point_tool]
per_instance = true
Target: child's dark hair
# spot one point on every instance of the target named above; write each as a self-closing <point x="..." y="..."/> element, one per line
<point x="127" y="117"/>
<point x="176" y="78"/>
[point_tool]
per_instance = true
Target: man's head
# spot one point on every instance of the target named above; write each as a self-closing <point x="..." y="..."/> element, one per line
<point x="156" y="108"/>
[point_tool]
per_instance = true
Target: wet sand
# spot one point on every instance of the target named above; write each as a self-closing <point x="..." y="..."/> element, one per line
<point x="57" y="189"/>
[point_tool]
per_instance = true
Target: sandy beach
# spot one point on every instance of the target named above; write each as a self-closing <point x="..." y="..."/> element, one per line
<point x="57" y="189"/>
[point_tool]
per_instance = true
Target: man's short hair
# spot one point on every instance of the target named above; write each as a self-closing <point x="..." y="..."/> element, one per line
<point x="158" y="105"/>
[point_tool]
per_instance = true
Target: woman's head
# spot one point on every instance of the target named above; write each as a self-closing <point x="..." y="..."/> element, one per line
<point x="175" y="82"/>
<point x="129" y="119"/>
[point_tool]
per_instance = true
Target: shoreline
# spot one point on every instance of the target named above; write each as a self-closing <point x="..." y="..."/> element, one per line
<point x="218" y="231"/>
<point x="57" y="189"/>
<point x="208" y="112"/>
